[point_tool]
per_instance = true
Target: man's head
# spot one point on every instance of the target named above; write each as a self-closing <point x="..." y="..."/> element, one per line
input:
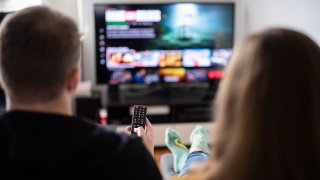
<point x="39" y="53"/>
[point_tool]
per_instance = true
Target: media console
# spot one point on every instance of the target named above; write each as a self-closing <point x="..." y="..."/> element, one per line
<point x="178" y="109"/>
<point x="164" y="105"/>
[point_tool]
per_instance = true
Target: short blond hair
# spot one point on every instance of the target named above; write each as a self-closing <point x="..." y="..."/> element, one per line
<point x="39" y="48"/>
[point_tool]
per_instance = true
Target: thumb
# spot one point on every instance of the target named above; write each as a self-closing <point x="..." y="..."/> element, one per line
<point x="139" y="131"/>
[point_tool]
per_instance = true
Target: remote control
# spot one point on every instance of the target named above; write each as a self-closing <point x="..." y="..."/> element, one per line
<point x="139" y="117"/>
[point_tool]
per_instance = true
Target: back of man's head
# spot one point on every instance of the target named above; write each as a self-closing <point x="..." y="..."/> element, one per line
<point x="39" y="48"/>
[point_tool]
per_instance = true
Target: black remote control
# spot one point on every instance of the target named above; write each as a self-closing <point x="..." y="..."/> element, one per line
<point x="139" y="117"/>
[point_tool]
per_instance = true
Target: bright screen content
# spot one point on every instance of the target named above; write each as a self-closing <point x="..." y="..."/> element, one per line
<point x="163" y="43"/>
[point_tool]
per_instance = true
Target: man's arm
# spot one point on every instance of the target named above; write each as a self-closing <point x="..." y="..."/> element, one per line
<point x="146" y="135"/>
<point x="140" y="161"/>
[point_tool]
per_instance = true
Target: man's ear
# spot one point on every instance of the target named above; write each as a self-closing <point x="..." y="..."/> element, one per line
<point x="73" y="79"/>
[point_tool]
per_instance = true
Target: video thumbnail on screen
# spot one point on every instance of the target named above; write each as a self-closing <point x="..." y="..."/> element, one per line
<point x="220" y="57"/>
<point x="215" y="74"/>
<point x="196" y="75"/>
<point x="196" y="58"/>
<point x="170" y="58"/>
<point x="172" y="75"/>
<point x="120" y="77"/>
<point x="146" y="76"/>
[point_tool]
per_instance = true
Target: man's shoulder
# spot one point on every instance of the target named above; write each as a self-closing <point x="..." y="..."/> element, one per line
<point x="70" y="128"/>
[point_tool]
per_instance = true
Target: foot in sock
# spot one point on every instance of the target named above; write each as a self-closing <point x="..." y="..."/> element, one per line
<point x="199" y="139"/>
<point x="179" y="151"/>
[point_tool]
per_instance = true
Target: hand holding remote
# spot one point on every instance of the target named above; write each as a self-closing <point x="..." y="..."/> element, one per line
<point x="142" y="127"/>
<point x="138" y="118"/>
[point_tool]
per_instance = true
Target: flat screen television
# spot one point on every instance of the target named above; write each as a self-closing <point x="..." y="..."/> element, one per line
<point x="162" y="43"/>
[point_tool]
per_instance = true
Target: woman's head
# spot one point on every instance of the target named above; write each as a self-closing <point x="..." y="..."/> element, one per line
<point x="268" y="109"/>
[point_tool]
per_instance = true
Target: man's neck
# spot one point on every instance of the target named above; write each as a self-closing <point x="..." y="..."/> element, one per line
<point x="60" y="105"/>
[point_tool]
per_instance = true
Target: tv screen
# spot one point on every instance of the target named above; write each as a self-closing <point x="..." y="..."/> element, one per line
<point x="162" y="43"/>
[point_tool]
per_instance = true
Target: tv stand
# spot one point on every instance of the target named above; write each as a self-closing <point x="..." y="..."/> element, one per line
<point x="160" y="93"/>
<point x="180" y="104"/>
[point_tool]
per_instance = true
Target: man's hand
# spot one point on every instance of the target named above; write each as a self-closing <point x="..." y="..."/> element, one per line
<point x="146" y="135"/>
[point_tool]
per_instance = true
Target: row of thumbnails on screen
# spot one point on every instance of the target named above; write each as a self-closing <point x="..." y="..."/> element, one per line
<point x="124" y="58"/>
<point x="166" y="75"/>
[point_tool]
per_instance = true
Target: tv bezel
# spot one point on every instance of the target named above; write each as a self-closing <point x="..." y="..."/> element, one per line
<point x="87" y="26"/>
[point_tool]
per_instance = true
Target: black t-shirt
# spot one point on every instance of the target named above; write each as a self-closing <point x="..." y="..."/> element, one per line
<point x="50" y="146"/>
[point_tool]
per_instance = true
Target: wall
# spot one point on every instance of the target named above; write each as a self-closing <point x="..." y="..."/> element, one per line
<point x="302" y="15"/>
<point x="68" y="7"/>
<point x="14" y="5"/>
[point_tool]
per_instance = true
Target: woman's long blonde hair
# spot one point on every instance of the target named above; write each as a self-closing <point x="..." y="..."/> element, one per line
<point x="268" y="110"/>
